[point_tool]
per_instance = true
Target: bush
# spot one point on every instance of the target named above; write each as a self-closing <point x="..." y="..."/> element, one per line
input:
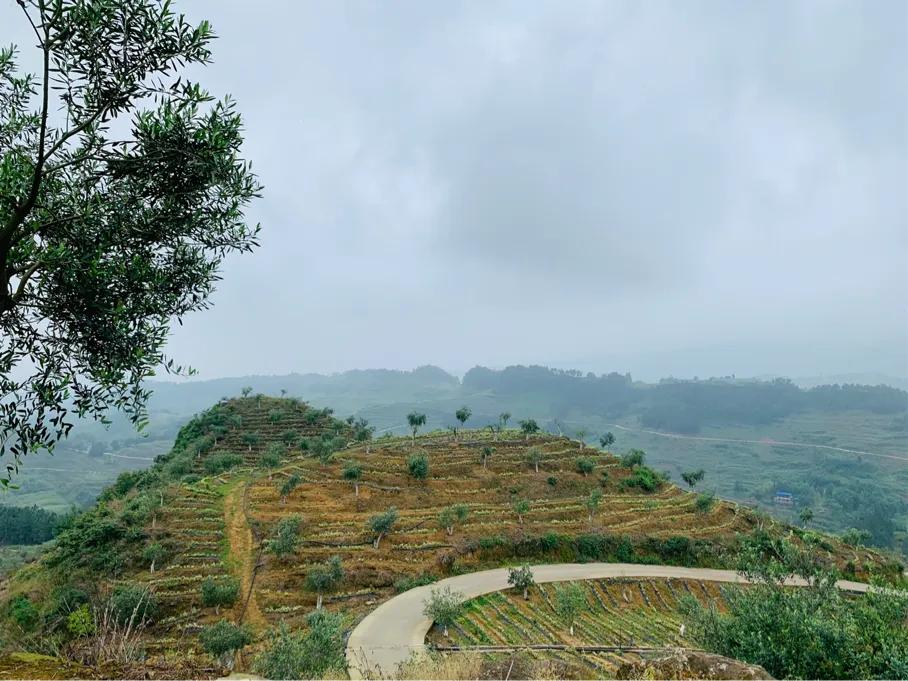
<point x="133" y="602"/>
<point x="643" y="478"/>
<point x="418" y="466"/>
<point x="291" y="655"/>
<point x="704" y="502"/>
<point x="551" y="481"/>
<point x="218" y="592"/>
<point x="407" y="583"/>
<point x="634" y="457"/>
<point x="218" y="463"/>
<point x="224" y="639"/>
<point x="272" y="456"/>
<point x="24" y="613"/>
<point x="289" y="485"/>
<point x="812" y="632"/>
<point x="80" y="622"/>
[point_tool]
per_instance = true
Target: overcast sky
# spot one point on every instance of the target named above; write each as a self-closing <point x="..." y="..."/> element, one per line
<point x="686" y="188"/>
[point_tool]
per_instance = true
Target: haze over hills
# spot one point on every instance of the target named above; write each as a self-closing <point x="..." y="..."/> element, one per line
<point x="861" y="488"/>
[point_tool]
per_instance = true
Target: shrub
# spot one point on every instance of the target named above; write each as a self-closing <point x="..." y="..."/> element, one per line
<point x="551" y="481"/>
<point x="812" y="632"/>
<point x="219" y="463"/>
<point x="407" y="583"/>
<point x="634" y="457"/>
<point x="855" y="537"/>
<point x="191" y="479"/>
<point x="80" y="622"/>
<point x="218" y="592"/>
<point x="271" y="457"/>
<point x="418" y="466"/>
<point x="704" y="502"/>
<point x="584" y="465"/>
<point x="224" y="639"/>
<point x="643" y="478"/>
<point x="289" y="485"/>
<point x="304" y="656"/>
<point x="286" y="536"/>
<point x="133" y="602"/>
<point x="24" y="613"/>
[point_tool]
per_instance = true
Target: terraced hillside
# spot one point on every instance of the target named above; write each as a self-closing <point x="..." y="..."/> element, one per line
<point x="335" y="518"/>
<point x="639" y="615"/>
<point x="208" y="513"/>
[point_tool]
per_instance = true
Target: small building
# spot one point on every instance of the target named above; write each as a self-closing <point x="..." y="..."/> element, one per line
<point x="783" y="498"/>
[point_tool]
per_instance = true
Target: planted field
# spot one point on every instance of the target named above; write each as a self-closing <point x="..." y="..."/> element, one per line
<point x="335" y="518"/>
<point x="631" y="614"/>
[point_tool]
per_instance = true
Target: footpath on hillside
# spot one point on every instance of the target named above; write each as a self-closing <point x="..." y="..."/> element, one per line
<point x="243" y="551"/>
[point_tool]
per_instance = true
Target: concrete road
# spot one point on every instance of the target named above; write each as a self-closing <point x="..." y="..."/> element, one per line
<point x="395" y="629"/>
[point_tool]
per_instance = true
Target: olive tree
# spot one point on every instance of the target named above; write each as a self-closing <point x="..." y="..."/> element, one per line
<point x="122" y="191"/>
<point x="324" y="578"/>
<point x="353" y="472"/>
<point x="251" y="440"/>
<point x="607" y="440"/>
<point x="693" y="477"/>
<point x="452" y="516"/>
<point x="153" y="553"/>
<point x="416" y="421"/>
<point x="581" y="435"/>
<point x="570" y="601"/>
<point x="529" y="427"/>
<point x="584" y="465"/>
<point x="533" y="456"/>
<point x="521" y="507"/>
<point x="521" y="578"/>
<point x="381" y="524"/>
<point x="485" y="454"/>
<point x="443" y="606"/>
<point x="220" y="592"/>
<point x="286" y="536"/>
<point x="592" y="502"/>
<point x="463" y="414"/>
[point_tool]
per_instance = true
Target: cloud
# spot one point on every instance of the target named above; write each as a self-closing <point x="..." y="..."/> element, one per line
<point x="622" y="185"/>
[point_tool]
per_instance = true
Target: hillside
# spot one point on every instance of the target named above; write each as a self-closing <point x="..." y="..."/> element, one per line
<point x="238" y="472"/>
<point x="848" y="464"/>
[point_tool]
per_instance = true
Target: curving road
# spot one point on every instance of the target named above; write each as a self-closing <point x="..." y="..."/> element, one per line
<point x="395" y="629"/>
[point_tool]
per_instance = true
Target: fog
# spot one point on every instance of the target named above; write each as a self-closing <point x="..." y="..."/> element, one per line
<point x="661" y="188"/>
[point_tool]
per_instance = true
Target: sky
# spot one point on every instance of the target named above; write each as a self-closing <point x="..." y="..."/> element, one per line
<point x="664" y="188"/>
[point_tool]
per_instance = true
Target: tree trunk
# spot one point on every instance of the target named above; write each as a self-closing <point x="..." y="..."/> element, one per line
<point x="162" y="498"/>
<point x="572" y="630"/>
<point x="537" y="466"/>
<point x="356" y="487"/>
<point x="318" y="602"/>
<point x="152" y="567"/>
<point x="526" y="593"/>
<point x="446" y="630"/>
<point x="217" y="608"/>
<point x="154" y="520"/>
<point x="377" y="541"/>
<point x="450" y="529"/>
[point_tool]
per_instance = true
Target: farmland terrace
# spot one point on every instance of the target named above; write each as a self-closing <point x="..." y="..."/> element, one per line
<point x="213" y="504"/>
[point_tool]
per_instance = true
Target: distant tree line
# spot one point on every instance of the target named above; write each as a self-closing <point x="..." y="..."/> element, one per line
<point x="683" y="406"/>
<point x="27" y="525"/>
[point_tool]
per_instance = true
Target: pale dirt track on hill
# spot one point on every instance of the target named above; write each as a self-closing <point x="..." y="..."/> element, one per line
<point x="242" y="549"/>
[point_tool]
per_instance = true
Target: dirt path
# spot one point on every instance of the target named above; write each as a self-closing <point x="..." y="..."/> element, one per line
<point x="395" y="629"/>
<point x="244" y="552"/>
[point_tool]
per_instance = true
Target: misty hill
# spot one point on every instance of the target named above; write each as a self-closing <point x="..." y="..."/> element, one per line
<point x="743" y="423"/>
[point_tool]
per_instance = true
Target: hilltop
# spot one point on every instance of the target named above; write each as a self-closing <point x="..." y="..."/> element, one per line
<point x="212" y="511"/>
